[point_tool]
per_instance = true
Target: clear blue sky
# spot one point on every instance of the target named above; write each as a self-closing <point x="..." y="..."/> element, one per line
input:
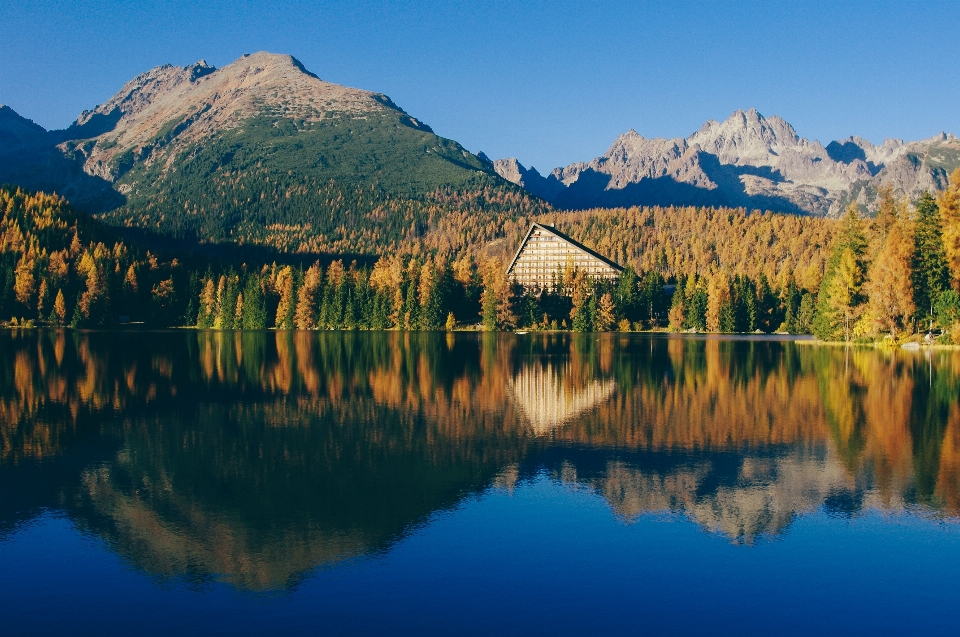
<point x="550" y="83"/>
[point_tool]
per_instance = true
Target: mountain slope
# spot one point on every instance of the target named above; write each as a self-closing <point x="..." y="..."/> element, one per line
<point x="264" y="151"/>
<point x="747" y="160"/>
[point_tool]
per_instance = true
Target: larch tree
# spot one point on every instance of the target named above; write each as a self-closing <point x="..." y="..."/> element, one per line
<point x="59" y="308"/>
<point x="605" y="319"/>
<point x="305" y="316"/>
<point x="24" y="282"/>
<point x="718" y="296"/>
<point x="208" y="301"/>
<point x="285" y="309"/>
<point x="888" y="285"/>
<point x="949" y="204"/>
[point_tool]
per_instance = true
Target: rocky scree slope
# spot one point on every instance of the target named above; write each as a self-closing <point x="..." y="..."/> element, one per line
<point x="747" y="160"/>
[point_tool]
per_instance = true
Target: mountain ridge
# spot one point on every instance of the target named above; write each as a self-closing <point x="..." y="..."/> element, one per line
<point x="747" y="160"/>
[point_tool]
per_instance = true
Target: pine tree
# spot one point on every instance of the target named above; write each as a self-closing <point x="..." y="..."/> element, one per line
<point x="696" y="316"/>
<point x="931" y="276"/>
<point x="625" y="295"/>
<point x="678" y="306"/>
<point x="489" y="305"/>
<point x="410" y="306"/>
<point x="254" y="305"/>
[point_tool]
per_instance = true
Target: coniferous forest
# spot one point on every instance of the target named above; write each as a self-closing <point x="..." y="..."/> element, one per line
<point x="892" y="276"/>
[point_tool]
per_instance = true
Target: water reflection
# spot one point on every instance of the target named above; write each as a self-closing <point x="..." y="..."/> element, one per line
<point x="254" y="457"/>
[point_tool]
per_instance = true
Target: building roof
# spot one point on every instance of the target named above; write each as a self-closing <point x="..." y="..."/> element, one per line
<point x="564" y="237"/>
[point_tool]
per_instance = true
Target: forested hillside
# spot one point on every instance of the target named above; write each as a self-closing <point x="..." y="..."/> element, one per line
<point x="368" y="185"/>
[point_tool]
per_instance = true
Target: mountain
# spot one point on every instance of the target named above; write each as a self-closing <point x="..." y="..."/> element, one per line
<point x="29" y="158"/>
<point x="747" y="160"/>
<point x="259" y="151"/>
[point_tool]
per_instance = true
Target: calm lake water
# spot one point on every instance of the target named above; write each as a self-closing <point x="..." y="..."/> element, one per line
<point x="157" y="483"/>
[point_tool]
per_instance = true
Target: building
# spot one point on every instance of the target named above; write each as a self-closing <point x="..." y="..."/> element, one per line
<point x="545" y="253"/>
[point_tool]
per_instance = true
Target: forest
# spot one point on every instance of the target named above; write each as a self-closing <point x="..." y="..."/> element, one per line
<point x="889" y="277"/>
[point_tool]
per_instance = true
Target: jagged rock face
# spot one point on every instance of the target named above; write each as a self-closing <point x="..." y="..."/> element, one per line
<point x="752" y="161"/>
<point x="528" y="178"/>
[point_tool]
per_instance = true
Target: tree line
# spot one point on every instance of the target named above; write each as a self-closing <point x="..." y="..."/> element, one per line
<point x="853" y="278"/>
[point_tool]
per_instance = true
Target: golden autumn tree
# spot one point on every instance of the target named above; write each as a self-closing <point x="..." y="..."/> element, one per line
<point x="304" y="318"/>
<point x="949" y="204"/>
<point x="496" y="300"/>
<point x="718" y="296"/>
<point x="284" y="319"/>
<point x="605" y="318"/>
<point x="208" y="300"/>
<point x="24" y="283"/>
<point x="889" y="280"/>
<point x="60" y="308"/>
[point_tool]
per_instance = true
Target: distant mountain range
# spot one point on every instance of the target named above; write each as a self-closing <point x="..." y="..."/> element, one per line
<point x="748" y="160"/>
<point x="263" y="151"/>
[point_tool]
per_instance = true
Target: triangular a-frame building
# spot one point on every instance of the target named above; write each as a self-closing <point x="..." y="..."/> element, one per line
<point x="546" y="252"/>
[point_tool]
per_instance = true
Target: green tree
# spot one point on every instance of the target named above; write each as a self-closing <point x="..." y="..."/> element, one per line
<point x="254" y="305"/>
<point x="931" y="276"/>
<point x="840" y="295"/>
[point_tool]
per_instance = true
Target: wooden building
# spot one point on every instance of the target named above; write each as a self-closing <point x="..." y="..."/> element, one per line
<point x="545" y="253"/>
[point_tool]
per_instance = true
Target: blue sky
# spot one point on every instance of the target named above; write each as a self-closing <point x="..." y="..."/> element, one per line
<point x="547" y="82"/>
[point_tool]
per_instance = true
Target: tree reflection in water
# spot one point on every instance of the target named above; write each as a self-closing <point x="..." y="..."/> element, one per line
<point x="253" y="457"/>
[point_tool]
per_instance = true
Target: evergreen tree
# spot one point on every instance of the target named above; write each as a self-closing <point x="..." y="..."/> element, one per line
<point x="625" y="295"/>
<point x="254" y="305"/>
<point x="678" y="309"/>
<point x="931" y="276"/>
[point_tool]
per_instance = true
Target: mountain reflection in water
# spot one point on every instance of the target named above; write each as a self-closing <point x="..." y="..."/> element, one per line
<point x="254" y="457"/>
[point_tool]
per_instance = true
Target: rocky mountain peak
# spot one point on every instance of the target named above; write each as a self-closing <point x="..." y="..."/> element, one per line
<point x="746" y="137"/>
<point x="172" y="106"/>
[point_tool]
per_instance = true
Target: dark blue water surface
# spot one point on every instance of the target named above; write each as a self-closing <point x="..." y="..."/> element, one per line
<point x="365" y="483"/>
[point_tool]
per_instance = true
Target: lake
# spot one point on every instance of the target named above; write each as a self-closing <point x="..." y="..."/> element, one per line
<point x="419" y="483"/>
